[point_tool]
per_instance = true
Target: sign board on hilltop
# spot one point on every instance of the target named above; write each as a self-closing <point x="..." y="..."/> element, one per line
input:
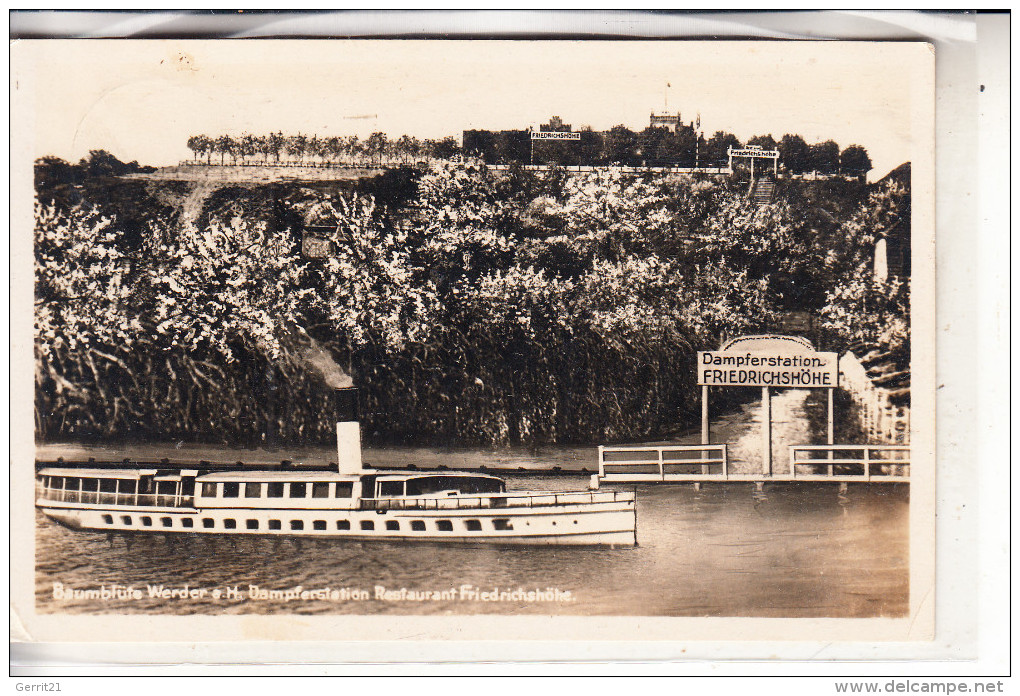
<point x="554" y="135"/>
<point x="768" y="361"/>
<point x="752" y="152"/>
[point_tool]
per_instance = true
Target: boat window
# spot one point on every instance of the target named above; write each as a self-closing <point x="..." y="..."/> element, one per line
<point x="231" y="490"/>
<point x="146" y="521"/>
<point x="320" y="490"/>
<point x="444" y="525"/>
<point x="187" y="522"/>
<point x="391" y="488"/>
<point x="208" y="490"/>
<point x="417" y="526"/>
<point x="253" y="490"/>
<point x="107" y="485"/>
<point x="164" y="487"/>
<point x="72" y="484"/>
<point x="252" y="524"/>
<point x="126" y="519"/>
<point x="274" y="524"/>
<point x="90" y="485"/>
<point x="392" y="525"/>
<point x="187" y="486"/>
<point x="126" y="486"/>
<point x="320" y="525"/>
<point x="108" y="519"/>
<point x="502" y="525"/>
<point x="297" y="490"/>
<point x="56" y="482"/>
<point x="229" y="524"/>
<point x="207" y="523"/>
<point x="344" y="489"/>
<point x="343" y="524"/>
<point x="275" y="490"/>
<point x="465" y="484"/>
<point x="167" y="522"/>
<point x="297" y="524"/>
<point x="367" y="524"/>
<point x="473" y="525"/>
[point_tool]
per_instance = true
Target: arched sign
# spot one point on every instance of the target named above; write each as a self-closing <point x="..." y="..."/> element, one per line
<point x="766" y="361"/>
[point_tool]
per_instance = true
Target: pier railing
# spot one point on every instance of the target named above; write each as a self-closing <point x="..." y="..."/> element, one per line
<point x="663" y="463"/>
<point x="851" y="462"/>
<point x="698" y="463"/>
<point x="496" y="501"/>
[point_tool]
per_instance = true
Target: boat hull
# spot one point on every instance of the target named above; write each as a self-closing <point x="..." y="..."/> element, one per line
<point x="610" y="523"/>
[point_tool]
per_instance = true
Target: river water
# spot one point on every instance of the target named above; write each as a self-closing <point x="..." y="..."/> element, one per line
<point x="791" y="550"/>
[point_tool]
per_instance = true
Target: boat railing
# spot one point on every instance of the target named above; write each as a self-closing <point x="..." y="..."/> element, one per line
<point x="61" y="495"/>
<point x="497" y="501"/>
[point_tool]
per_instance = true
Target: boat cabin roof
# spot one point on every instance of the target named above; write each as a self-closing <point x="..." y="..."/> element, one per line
<point x="97" y="473"/>
<point x="288" y="475"/>
<point x="436" y="474"/>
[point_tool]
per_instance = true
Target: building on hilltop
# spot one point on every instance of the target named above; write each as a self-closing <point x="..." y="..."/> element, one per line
<point x="665" y="119"/>
<point x="555" y="125"/>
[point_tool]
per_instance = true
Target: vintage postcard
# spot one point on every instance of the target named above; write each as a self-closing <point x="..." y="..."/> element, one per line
<point x="506" y="340"/>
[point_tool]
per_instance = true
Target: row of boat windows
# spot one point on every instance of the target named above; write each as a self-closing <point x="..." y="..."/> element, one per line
<point x="102" y="485"/>
<point x="320" y="489"/>
<point x="317" y="525"/>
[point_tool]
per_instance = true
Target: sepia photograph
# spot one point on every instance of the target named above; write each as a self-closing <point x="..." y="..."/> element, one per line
<point x="458" y="329"/>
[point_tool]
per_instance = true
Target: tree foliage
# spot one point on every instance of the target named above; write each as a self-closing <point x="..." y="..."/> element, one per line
<point x="488" y="307"/>
<point x="301" y="149"/>
<point x="854" y="161"/>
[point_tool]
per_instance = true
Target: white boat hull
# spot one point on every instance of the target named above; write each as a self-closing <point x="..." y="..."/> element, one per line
<point x="608" y="523"/>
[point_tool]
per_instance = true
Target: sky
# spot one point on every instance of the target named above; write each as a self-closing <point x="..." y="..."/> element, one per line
<point x="141" y="100"/>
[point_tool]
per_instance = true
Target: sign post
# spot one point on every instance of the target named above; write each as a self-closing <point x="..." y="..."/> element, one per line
<point x="752" y="153"/>
<point x="706" y="435"/>
<point x="767" y="361"/>
<point x="830" y="430"/>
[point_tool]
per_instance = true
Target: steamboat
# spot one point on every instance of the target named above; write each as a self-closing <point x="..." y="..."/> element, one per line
<point x="345" y="502"/>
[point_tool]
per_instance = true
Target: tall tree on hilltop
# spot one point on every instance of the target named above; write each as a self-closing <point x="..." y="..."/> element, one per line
<point x="224" y="146"/>
<point x="854" y="161"/>
<point x="591" y="146"/>
<point x="794" y="154"/>
<point x="248" y="146"/>
<point x="824" y="157"/>
<point x="766" y="142"/>
<point x="447" y="148"/>
<point x="376" y="146"/>
<point x="198" y="144"/>
<point x="353" y="148"/>
<point x="716" y="147"/>
<point x="276" y="144"/>
<point x="621" y="145"/>
<point x="297" y="146"/>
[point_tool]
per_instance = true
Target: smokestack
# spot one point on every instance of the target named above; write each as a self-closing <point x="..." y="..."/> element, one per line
<point x="348" y="431"/>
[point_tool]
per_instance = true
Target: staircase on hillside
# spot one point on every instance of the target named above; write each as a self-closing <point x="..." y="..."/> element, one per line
<point x="762" y="190"/>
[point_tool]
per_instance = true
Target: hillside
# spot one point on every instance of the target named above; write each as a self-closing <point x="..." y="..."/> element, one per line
<point x="483" y="307"/>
